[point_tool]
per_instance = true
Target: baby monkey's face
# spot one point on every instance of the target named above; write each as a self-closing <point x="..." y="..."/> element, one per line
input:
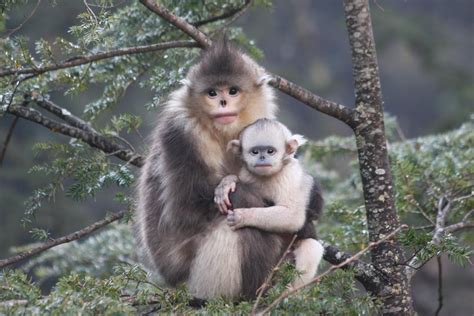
<point x="265" y="146"/>
<point x="264" y="159"/>
<point x="263" y="151"/>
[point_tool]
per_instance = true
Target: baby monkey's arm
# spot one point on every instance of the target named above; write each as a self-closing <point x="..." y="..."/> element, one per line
<point x="278" y="218"/>
<point x="221" y="193"/>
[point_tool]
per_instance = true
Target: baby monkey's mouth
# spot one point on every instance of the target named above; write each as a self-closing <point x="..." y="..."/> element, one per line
<point x="263" y="165"/>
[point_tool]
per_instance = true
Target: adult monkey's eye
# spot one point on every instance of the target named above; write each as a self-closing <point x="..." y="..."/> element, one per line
<point x="233" y="91"/>
<point x="212" y="93"/>
<point x="254" y="152"/>
<point x="271" y="151"/>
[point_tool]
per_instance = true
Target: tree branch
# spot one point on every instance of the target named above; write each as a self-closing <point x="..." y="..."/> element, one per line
<point x="444" y="207"/>
<point x="7" y="140"/>
<point x="330" y="108"/>
<point x="62" y="240"/>
<point x="365" y="273"/>
<point x="92" y="138"/>
<point x="179" y="22"/>
<point x="332" y="268"/>
<point x="233" y="13"/>
<point x="64" y="114"/>
<point x="81" y="60"/>
<point x="10" y="32"/>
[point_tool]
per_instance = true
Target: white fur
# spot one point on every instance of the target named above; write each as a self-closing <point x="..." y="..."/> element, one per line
<point x="216" y="269"/>
<point x="300" y="140"/>
<point x="290" y="190"/>
<point x="308" y="255"/>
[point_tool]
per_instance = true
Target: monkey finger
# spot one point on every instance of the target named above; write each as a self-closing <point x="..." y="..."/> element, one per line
<point x="227" y="201"/>
<point x="222" y="208"/>
<point x="232" y="187"/>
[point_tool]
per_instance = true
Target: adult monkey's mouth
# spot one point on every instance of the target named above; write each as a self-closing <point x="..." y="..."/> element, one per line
<point x="225" y="118"/>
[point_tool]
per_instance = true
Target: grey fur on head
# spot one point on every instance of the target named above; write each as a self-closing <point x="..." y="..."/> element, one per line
<point x="222" y="64"/>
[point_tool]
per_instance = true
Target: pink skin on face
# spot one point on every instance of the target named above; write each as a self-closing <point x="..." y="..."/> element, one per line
<point x="225" y="118"/>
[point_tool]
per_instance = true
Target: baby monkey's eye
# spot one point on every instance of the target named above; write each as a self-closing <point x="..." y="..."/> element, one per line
<point x="212" y="93"/>
<point x="233" y="91"/>
<point x="271" y="151"/>
<point x="254" y="152"/>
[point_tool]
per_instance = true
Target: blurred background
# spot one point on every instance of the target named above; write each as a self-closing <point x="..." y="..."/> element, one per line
<point x="426" y="57"/>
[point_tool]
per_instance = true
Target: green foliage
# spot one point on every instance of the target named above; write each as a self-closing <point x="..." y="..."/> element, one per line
<point x="101" y="275"/>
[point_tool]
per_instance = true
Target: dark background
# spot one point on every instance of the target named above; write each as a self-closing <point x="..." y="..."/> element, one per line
<point x="425" y="52"/>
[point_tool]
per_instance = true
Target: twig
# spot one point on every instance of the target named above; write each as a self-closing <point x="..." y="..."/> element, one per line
<point x="267" y="281"/>
<point x="371" y="245"/>
<point x="81" y="60"/>
<point x="23" y="23"/>
<point x="379" y="6"/>
<point x="126" y="142"/>
<point x="62" y="240"/>
<point x="444" y="206"/>
<point x="458" y="226"/>
<point x="462" y="198"/>
<point x="236" y="16"/>
<point x="233" y="13"/>
<point x="179" y="22"/>
<point x="440" y="285"/>
<point x="12" y="126"/>
<point x="91" y="13"/>
<point x="95" y="140"/>
<point x="7" y="139"/>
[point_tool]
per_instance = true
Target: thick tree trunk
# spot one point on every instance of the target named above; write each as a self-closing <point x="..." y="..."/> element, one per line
<point x="368" y="126"/>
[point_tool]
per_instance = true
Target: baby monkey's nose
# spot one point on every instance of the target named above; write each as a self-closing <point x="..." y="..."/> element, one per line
<point x="223" y="103"/>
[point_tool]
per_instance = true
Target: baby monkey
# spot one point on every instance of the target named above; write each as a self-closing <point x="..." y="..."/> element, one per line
<point x="267" y="149"/>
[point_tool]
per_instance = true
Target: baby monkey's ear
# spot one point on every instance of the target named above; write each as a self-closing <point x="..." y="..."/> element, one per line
<point x="293" y="143"/>
<point x="234" y="146"/>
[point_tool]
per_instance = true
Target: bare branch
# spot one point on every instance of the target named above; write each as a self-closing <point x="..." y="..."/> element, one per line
<point x="7" y="140"/>
<point x="62" y="240"/>
<point x="93" y="139"/>
<point x="179" y="22"/>
<point x="10" y="32"/>
<point x="12" y="126"/>
<point x="267" y="281"/>
<point x="330" y="108"/>
<point x="444" y="206"/>
<point x="234" y="13"/>
<point x="64" y="114"/>
<point x="81" y="60"/>
<point x="332" y="268"/>
<point x="458" y="226"/>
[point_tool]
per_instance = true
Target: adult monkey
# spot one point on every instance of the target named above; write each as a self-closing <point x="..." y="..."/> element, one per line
<point x="180" y="231"/>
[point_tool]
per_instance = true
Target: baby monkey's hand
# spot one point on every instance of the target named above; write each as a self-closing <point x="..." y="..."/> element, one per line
<point x="235" y="219"/>
<point x="221" y="193"/>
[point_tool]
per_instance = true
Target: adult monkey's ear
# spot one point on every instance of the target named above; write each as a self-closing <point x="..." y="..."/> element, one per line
<point x="263" y="80"/>
<point x="234" y="146"/>
<point x="293" y="143"/>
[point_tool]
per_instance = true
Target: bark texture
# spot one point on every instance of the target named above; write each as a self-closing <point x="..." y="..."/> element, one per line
<point x="374" y="163"/>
